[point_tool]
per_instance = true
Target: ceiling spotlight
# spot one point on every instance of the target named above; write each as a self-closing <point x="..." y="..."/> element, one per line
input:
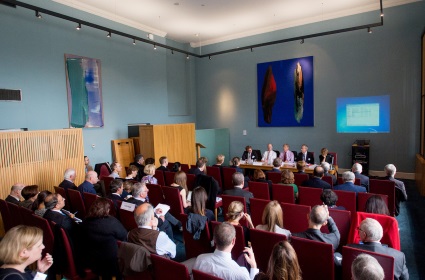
<point x="302" y="41"/>
<point x="369" y="30"/>
<point x="78" y="26"/>
<point x="154" y="46"/>
<point x="134" y="42"/>
<point x="187" y="56"/>
<point x="38" y="15"/>
<point x="209" y="57"/>
<point x="109" y="34"/>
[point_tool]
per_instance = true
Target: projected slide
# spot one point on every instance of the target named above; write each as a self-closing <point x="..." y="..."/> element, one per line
<point x="363" y="114"/>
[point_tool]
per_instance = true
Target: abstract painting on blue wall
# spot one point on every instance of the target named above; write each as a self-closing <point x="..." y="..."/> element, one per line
<point x="84" y="86"/>
<point x="286" y="92"/>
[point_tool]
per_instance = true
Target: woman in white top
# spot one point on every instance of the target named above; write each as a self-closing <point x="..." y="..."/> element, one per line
<point x="273" y="219"/>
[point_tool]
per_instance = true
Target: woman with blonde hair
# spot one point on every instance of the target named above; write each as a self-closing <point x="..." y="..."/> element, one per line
<point x="219" y="160"/>
<point x="20" y="247"/>
<point x="235" y="213"/>
<point x="149" y="178"/>
<point x="273" y="219"/>
<point x="180" y="182"/>
<point x="287" y="178"/>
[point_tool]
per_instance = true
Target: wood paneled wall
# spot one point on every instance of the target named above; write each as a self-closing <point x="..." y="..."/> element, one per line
<point x="39" y="157"/>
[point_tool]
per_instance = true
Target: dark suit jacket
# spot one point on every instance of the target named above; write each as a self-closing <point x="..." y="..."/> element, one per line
<point x="332" y="237"/>
<point x="316" y="183"/>
<point x="253" y="155"/>
<point x="11" y="199"/>
<point x="329" y="158"/>
<point x="163" y="168"/>
<point x="400" y="269"/>
<point x="309" y="159"/>
<point x="114" y="199"/>
<point x="62" y="220"/>
<point x="400" y="193"/>
<point x="68" y="185"/>
<point x="195" y="171"/>
<point x="350" y="187"/>
<point x="277" y="170"/>
<point x="240" y="192"/>
<point x="364" y="180"/>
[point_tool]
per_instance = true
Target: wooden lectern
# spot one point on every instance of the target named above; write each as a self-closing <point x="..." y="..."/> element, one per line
<point x="198" y="149"/>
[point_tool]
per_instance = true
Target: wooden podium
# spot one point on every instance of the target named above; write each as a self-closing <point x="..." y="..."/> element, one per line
<point x="175" y="141"/>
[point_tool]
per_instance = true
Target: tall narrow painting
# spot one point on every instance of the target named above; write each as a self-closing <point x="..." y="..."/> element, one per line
<point x="285" y="93"/>
<point x="84" y="87"/>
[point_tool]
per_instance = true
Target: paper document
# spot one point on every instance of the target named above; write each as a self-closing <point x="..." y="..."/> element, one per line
<point x="164" y="208"/>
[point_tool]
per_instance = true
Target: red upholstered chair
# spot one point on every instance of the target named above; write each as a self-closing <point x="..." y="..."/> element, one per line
<point x="48" y="237"/>
<point x="170" y="165"/>
<point x="15" y="214"/>
<point x="309" y="196"/>
<point x="275" y="177"/>
<point x="227" y="177"/>
<point x="215" y="172"/>
<point x="159" y="175"/>
<point x="184" y="167"/>
<point x="126" y="218"/>
<point x="283" y="193"/>
<point x="199" y="275"/>
<point x="192" y="166"/>
<point x="26" y="215"/>
<point x="257" y="208"/>
<point x="259" y="189"/>
<point x="295" y="217"/>
<point x="363" y="197"/>
<point x="155" y="194"/>
<point x="196" y="247"/>
<point x="112" y="209"/>
<point x="227" y="199"/>
<point x="64" y="194"/>
<point x="107" y="183"/>
<point x="163" y="268"/>
<point x="347" y="199"/>
<point x="240" y="239"/>
<point x="190" y="181"/>
<point x="391" y="235"/>
<point x="169" y="178"/>
<point x="386" y="187"/>
<point x="105" y="170"/>
<point x="77" y="203"/>
<point x="8" y="223"/>
<point x="349" y="254"/>
<point x="342" y="220"/>
<point x="174" y="200"/>
<point x="89" y="198"/>
<point x="300" y="178"/>
<point x="328" y="179"/>
<point x="315" y="258"/>
<point x="262" y="243"/>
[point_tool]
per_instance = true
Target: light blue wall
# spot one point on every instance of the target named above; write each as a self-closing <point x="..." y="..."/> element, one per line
<point x="216" y="141"/>
<point x="349" y="64"/>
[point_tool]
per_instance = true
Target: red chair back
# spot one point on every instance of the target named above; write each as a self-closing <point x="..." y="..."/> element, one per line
<point x="126" y="218"/>
<point x="169" y="178"/>
<point x="48" y="237"/>
<point x="112" y="209"/>
<point x="170" y="165"/>
<point x="227" y="199"/>
<point x="342" y="220"/>
<point x="240" y="239"/>
<point x="257" y="208"/>
<point x="26" y="215"/>
<point x="77" y="203"/>
<point x="262" y="243"/>
<point x="346" y="199"/>
<point x="259" y="189"/>
<point x="64" y="194"/>
<point x="328" y="179"/>
<point x="107" y="183"/>
<point x="349" y="254"/>
<point x="15" y="214"/>
<point x="163" y="268"/>
<point x="283" y="193"/>
<point x="5" y="215"/>
<point x="275" y="177"/>
<point x="386" y="187"/>
<point x="184" y="167"/>
<point x="363" y="197"/>
<point x="215" y="172"/>
<point x="295" y="217"/>
<point x="309" y="196"/>
<point x="196" y="247"/>
<point x="227" y="177"/>
<point x="89" y="198"/>
<point x="199" y="275"/>
<point x="314" y="256"/>
<point x="104" y="171"/>
<point x="174" y="200"/>
<point x="159" y="175"/>
<point x="190" y="181"/>
<point x="155" y="194"/>
<point x="300" y="178"/>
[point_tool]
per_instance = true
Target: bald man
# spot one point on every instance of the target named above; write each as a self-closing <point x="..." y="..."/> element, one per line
<point x="88" y="184"/>
<point x="15" y="193"/>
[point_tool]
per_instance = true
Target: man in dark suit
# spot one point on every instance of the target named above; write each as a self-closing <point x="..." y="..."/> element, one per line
<point x="357" y="169"/>
<point x="316" y="181"/>
<point x="326" y="167"/>
<point x="15" y="193"/>
<point x="138" y="162"/>
<point x="238" y="184"/>
<point x="348" y="185"/>
<point x="117" y="188"/>
<point x="54" y="204"/>
<point x="400" y="190"/>
<point x="249" y="154"/>
<point x="199" y="169"/>
<point x="277" y="163"/>
<point x="69" y="179"/>
<point x="370" y="232"/>
<point x="304" y="155"/>
<point x="163" y="161"/>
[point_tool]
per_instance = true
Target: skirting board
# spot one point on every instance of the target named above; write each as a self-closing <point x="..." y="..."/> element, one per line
<point x="398" y="175"/>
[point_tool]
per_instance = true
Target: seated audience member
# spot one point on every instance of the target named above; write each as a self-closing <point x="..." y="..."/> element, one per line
<point x="272" y="219"/>
<point x="316" y="181"/>
<point x="283" y="264"/>
<point x="325" y="157"/>
<point x="149" y="177"/>
<point x="180" y="182"/>
<point x="177" y="167"/>
<point x="198" y="204"/>
<point x="205" y="159"/>
<point x="400" y="190"/>
<point x="238" y="184"/>
<point x="128" y="187"/>
<point x="117" y="187"/>
<point x="318" y="217"/>
<point x="88" y="167"/>
<point x="329" y="199"/>
<point x="286" y="155"/>
<point x="138" y="162"/>
<point x="150" y="161"/>
<point x="220" y="263"/>
<point x="235" y="163"/>
<point x="69" y="179"/>
<point x="88" y="184"/>
<point x="287" y="178"/>
<point x="248" y="154"/>
<point x="101" y="232"/>
<point x="235" y="213"/>
<point x="163" y="161"/>
<point x="326" y="167"/>
<point x="147" y="235"/>
<point x="54" y="204"/>
<point x="29" y="193"/>
<point x="376" y="205"/>
<point x="259" y="176"/>
<point x="38" y="206"/>
<point x="219" y="160"/>
<point x="277" y="163"/>
<point x="366" y="267"/>
<point x="301" y="167"/>
<point x="15" y="193"/>
<point x="199" y="169"/>
<point x="19" y="248"/>
<point x="304" y="155"/>
<point x="370" y="231"/>
<point x="357" y="169"/>
<point x="132" y="173"/>
<point x="348" y="185"/>
<point x="116" y="169"/>
<point x="269" y="155"/>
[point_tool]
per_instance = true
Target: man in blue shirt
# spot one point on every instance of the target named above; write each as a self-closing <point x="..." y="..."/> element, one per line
<point x="87" y="185"/>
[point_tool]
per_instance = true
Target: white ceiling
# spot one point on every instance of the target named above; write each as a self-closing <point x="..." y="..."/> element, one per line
<point x="204" y="22"/>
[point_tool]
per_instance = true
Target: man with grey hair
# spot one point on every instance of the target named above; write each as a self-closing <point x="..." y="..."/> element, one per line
<point x="220" y="263"/>
<point x="366" y="267"/>
<point x="326" y="167"/>
<point x="400" y="190"/>
<point x="69" y="179"/>
<point x="238" y="183"/>
<point x="357" y="169"/>
<point x="88" y="184"/>
<point x="370" y="232"/>
<point x="348" y="185"/>
<point x="147" y="234"/>
<point x="15" y="193"/>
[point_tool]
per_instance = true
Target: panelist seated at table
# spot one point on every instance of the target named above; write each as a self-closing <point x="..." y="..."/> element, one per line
<point x="269" y="155"/>
<point x="304" y="155"/>
<point x="249" y="154"/>
<point x="325" y="157"/>
<point x="286" y="155"/>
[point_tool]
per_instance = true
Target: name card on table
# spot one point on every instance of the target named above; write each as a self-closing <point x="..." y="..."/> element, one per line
<point x="128" y="206"/>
